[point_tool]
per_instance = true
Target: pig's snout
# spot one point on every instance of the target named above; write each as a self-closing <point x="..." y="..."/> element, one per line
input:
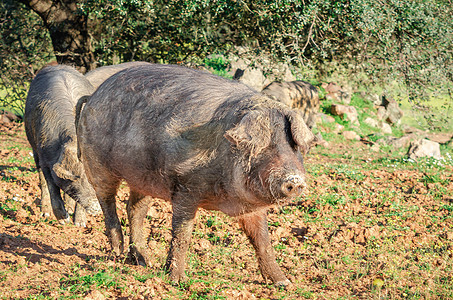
<point x="293" y="186"/>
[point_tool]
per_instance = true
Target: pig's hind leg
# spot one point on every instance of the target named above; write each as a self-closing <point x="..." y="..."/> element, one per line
<point x="56" y="202"/>
<point x="105" y="185"/>
<point x="137" y="208"/>
<point x="255" y="227"/>
<point x="46" y="208"/>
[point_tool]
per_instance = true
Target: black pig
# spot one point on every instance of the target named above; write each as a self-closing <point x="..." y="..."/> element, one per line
<point x="197" y="140"/>
<point x="299" y="95"/>
<point x="49" y="124"/>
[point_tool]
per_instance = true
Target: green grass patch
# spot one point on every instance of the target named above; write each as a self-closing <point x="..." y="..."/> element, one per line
<point x="79" y="284"/>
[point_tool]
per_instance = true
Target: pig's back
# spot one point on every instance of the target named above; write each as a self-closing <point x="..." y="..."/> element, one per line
<point x="156" y="95"/>
<point x="143" y="118"/>
<point x="162" y="88"/>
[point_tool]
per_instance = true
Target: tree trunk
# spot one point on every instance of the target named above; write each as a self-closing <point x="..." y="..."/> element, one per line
<point x="68" y="30"/>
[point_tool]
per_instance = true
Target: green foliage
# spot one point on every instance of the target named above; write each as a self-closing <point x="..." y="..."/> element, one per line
<point x="24" y="48"/>
<point x="402" y="46"/>
<point x="400" y="41"/>
<point x="218" y="65"/>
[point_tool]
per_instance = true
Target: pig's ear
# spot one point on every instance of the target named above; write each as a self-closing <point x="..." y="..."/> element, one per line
<point x="301" y="134"/>
<point x="252" y="133"/>
<point x="67" y="167"/>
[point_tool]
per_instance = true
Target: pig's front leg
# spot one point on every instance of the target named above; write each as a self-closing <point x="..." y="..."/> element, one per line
<point x="255" y="227"/>
<point x="56" y="201"/>
<point x="112" y="223"/>
<point x="184" y="212"/>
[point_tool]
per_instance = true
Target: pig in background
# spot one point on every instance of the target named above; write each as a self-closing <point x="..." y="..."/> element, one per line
<point x="97" y="76"/>
<point x="50" y="128"/>
<point x="299" y="95"/>
<point x="197" y="140"/>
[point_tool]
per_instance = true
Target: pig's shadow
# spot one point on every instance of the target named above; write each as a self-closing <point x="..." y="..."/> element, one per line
<point x="35" y="251"/>
<point x="7" y="176"/>
<point x="23" y="169"/>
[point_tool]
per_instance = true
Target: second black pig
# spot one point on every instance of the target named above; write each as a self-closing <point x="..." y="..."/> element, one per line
<point x="49" y="124"/>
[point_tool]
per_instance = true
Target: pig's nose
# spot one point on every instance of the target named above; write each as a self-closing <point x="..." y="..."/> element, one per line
<point x="293" y="186"/>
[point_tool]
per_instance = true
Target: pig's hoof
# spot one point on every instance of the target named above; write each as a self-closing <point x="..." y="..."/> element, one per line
<point x="80" y="224"/>
<point x="178" y="278"/>
<point x="80" y="218"/>
<point x="283" y="283"/>
<point x="62" y="216"/>
<point x="140" y="259"/>
<point x="63" y="221"/>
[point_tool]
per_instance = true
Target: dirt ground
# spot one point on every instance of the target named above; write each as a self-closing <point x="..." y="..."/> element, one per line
<point x="371" y="228"/>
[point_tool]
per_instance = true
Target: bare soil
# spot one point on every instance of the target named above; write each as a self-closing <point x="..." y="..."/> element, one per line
<point x="371" y="228"/>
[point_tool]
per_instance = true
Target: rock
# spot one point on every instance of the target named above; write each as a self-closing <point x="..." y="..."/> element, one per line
<point x="331" y="97"/>
<point x="337" y="93"/>
<point x="441" y="138"/>
<point x="281" y="72"/>
<point x="344" y="97"/>
<point x="375" y="148"/>
<point x="393" y="112"/>
<point x="402" y="142"/>
<point x="424" y="148"/>
<point x="385" y="128"/>
<point x="95" y="295"/>
<point x="351" y="135"/>
<point x="373" y="98"/>
<point x="249" y="68"/>
<point x="381" y="112"/>
<point x="345" y="94"/>
<point x="331" y="87"/>
<point x="323" y="118"/>
<point x="250" y="76"/>
<point x="345" y="112"/>
<point x="389" y="111"/>
<point x="8" y="117"/>
<point x="4" y="119"/>
<point x="409" y="129"/>
<point x="371" y="122"/>
<point x="338" y="128"/>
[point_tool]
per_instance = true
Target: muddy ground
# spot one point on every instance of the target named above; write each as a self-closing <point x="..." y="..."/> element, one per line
<point x="375" y="226"/>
